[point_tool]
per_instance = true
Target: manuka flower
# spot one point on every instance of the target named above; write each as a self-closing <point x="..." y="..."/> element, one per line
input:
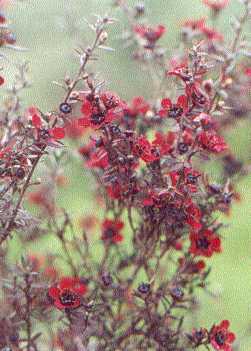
<point x="221" y="338"/>
<point x="138" y="106"/>
<point x="212" y="142"/>
<point x="67" y="293"/>
<point x="111" y="231"/>
<point x="216" y="5"/>
<point x="43" y="133"/>
<point x="204" y="243"/>
<point x="164" y="142"/>
<point x="193" y="215"/>
<point x="185" y="178"/>
<point x="99" y="110"/>
<point x="151" y="34"/>
<point x="145" y="150"/>
<point x="174" y="111"/>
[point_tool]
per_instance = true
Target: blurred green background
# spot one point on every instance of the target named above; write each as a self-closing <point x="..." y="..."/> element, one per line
<point x="51" y="29"/>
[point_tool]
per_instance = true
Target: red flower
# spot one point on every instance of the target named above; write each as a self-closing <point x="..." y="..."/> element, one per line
<point x="74" y="130"/>
<point x="195" y="24"/>
<point x="186" y="176"/>
<point x="164" y="142"/>
<point x="111" y="231"/>
<point x="211" y="34"/>
<point x="101" y="110"/>
<point x="36" y="121"/>
<point x="193" y="215"/>
<point x="110" y="100"/>
<point x="216" y="5"/>
<point x="145" y="150"/>
<point x="204" y="243"/>
<point x="220" y="337"/>
<point x="191" y="267"/>
<point x="114" y="191"/>
<point x="2" y="17"/>
<point x="212" y="142"/>
<point x="152" y="34"/>
<point x="138" y="106"/>
<point x="247" y="71"/>
<point x="1" y="80"/>
<point x="67" y="293"/>
<point x="174" y="110"/>
<point x="98" y="159"/>
<point x="200" y="27"/>
<point x="57" y="133"/>
<point x="197" y="95"/>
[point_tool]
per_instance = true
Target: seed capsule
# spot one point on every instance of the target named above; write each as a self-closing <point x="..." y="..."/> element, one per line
<point x="65" y="108"/>
<point x="144" y="288"/>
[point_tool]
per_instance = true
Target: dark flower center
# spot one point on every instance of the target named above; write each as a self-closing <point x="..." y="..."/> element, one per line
<point x="220" y="338"/>
<point x="68" y="298"/>
<point x="183" y="148"/>
<point x="191" y="179"/>
<point x="202" y="243"/>
<point x="98" y="118"/>
<point x="65" y="107"/>
<point x="140" y="149"/>
<point x="199" y="335"/>
<point x="144" y="288"/>
<point x="109" y="233"/>
<point x="177" y="214"/>
<point x="177" y="293"/>
<point x="175" y="111"/>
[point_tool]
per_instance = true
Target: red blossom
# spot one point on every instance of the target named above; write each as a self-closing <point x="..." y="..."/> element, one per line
<point x="152" y="34"/>
<point x="174" y="110"/>
<point x="98" y="159"/>
<point x="197" y="95"/>
<point x="211" y="34"/>
<point x="145" y="150"/>
<point x="57" y="133"/>
<point x="98" y="111"/>
<point x="36" y="120"/>
<point x="164" y="143"/>
<point x="67" y="293"/>
<point x="216" y="5"/>
<point x="186" y="177"/>
<point x="200" y="27"/>
<point x="212" y="142"/>
<point x="73" y="130"/>
<point x="195" y="24"/>
<point x="111" y="231"/>
<point x="247" y="71"/>
<point x="1" y="80"/>
<point x="138" y="106"/>
<point x="204" y="243"/>
<point x="221" y="338"/>
<point x="193" y="214"/>
<point x="110" y="100"/>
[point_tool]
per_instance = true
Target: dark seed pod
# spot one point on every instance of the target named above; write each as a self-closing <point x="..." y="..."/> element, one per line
<point x="107" y="279"/>
<point x="177" y="293"/>
<point x="99" y="142"/>
<point x="183" y="148"/>
<point x="2" y="18"/>
<point x="20" y="173"/>
<point x="144" y="288"/>
<point x="14" y="338"/>
<point x="191" y="179"/>
<point x="10" y="38"/>
<point x="65" y="107"/>
<point x="140" y="9"/>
